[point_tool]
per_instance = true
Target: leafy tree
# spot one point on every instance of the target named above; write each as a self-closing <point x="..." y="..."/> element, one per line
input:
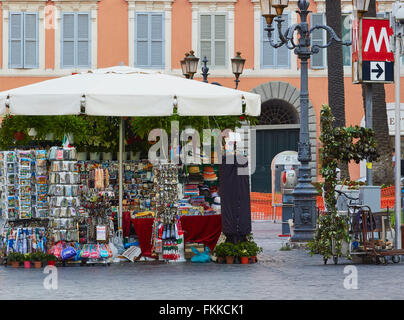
<point x="336" y="90"/>
<point x="338" y="144"/>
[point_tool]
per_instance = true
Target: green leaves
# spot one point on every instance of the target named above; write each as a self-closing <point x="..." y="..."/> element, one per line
<point x="338" y="144"/>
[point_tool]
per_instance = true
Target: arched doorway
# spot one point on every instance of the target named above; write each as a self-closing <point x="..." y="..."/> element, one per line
<point x="277" y="112"/>
<point x="278" y="130"/>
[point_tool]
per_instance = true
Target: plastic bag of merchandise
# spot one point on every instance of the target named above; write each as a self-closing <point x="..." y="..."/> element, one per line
<point x="118" y="244"/>
<point x="68" y="252"/>
<point x="94" y="252"/>
<point x="108" y="247"/>
<point x="85" y="252"/>
<point x="114" y="250"/>
<point x="78" y="251"/>
<point x="57" y="250"/>
<point x="103" y="251"/>
<point x="200" y="257"/>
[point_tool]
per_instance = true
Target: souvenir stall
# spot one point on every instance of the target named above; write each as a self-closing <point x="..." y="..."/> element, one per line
<point x="131" y="92"/>
<point x="183" y="212"/>
<point x="24" y="202"/>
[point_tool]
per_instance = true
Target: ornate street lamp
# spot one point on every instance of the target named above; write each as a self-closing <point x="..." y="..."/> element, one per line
<point x="205" y="70"/>
<point x="237" y="65"/>
<point x="360" y="6"/>
<point x="304" y="193"/>
<point x="191" y="63"/>
<point x="279" y="5"/>
<point x="184" y="66"/>
<point x="268" y="11"/>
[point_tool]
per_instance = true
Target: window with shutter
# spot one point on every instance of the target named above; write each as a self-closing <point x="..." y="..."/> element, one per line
<point x="149" y="40"/>
<point x="271" y="57"/>
<point x="317" y="61"/>
<point x="75" y="40"/>
<point x="23" y="40"/>
<point x="212" y="39"/>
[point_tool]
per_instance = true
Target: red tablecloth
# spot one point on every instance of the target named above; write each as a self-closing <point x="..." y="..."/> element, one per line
<point x="125" y="223"/>
<point x="201" y="229"/>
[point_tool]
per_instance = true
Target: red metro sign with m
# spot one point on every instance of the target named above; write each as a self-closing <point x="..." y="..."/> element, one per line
<point x="376" y="40"/>
<point x="372" y="57"/>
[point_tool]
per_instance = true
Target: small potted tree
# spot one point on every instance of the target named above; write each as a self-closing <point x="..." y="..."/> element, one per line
<point x="229" y="252"/>
<point x="219" y="252"/>
<point x="242" y="252"/>
<point x="27" y="261"/>
<point x="37" y="258"/>
<point x="253" y="250"/>
<point x="50" y="259"/>
<point x="14" y="258"/>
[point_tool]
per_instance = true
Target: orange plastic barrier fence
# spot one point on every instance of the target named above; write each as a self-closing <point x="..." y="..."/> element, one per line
<point x="388" y="192"/>
<point x="261" y="204"/>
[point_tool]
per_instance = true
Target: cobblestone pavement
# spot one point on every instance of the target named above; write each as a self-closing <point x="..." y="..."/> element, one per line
<point x="278" y="275"/>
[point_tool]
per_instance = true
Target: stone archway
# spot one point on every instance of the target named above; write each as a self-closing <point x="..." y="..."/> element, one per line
<point x="285" y="91"/>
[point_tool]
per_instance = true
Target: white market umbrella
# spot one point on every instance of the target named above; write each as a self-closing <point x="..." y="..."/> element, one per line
<point x="126" y="92"/>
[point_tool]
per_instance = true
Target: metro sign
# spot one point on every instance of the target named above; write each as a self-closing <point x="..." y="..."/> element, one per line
<point x="372" y="56"/>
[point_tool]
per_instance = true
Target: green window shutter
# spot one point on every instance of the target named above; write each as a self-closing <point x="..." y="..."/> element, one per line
<point x="16" y="30"/>
<point x="317" y="60"/>
<point x="31" y="47"/>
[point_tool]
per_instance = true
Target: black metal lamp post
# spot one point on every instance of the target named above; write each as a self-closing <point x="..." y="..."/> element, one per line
<point x="191" y="64"/>
<point x="237" y="65"/>
<point x="305" y="193"/>
<point x="184" y="66"/>
<point x="205" y="70"/>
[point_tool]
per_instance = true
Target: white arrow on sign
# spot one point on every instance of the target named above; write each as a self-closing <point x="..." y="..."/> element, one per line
<point x="377" y="71"/>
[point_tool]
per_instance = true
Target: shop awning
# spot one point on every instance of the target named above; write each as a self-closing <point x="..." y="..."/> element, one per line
<point x="127" y="92"/>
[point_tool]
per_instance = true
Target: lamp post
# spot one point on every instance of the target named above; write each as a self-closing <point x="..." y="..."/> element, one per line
<point x="360" y="6"/>
<point x="205" y="70"/>
<point x="237" y="65"/>
<point x="184" y="66"/>
<point x="191" y="64"/>
<point x="398" y="27"/>
<point x="304" y="193"/>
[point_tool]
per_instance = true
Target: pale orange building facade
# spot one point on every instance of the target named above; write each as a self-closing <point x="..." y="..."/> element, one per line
<point x="41" y="40"/>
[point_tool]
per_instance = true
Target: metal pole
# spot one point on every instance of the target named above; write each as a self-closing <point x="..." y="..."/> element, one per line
<point x="397" y="168"/>
<point x="369" y="124"/>
<point x="304" y="193"/>
<point x="120" y="178"/>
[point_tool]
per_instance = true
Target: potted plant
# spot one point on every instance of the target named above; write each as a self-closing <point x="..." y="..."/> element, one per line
<point x="253" y="250"/>
<point x="37" y="258"/>
<point x="229" y="252"/>
<point x="243" y="252"/>
<point x="219" y="252"/>
<point x="14" y="258"/>
<point x="27" y="261"/>
<point x="50" y="259"/>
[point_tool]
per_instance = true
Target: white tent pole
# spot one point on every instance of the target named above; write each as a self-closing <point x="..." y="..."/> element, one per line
<point x="120" y="178"/>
